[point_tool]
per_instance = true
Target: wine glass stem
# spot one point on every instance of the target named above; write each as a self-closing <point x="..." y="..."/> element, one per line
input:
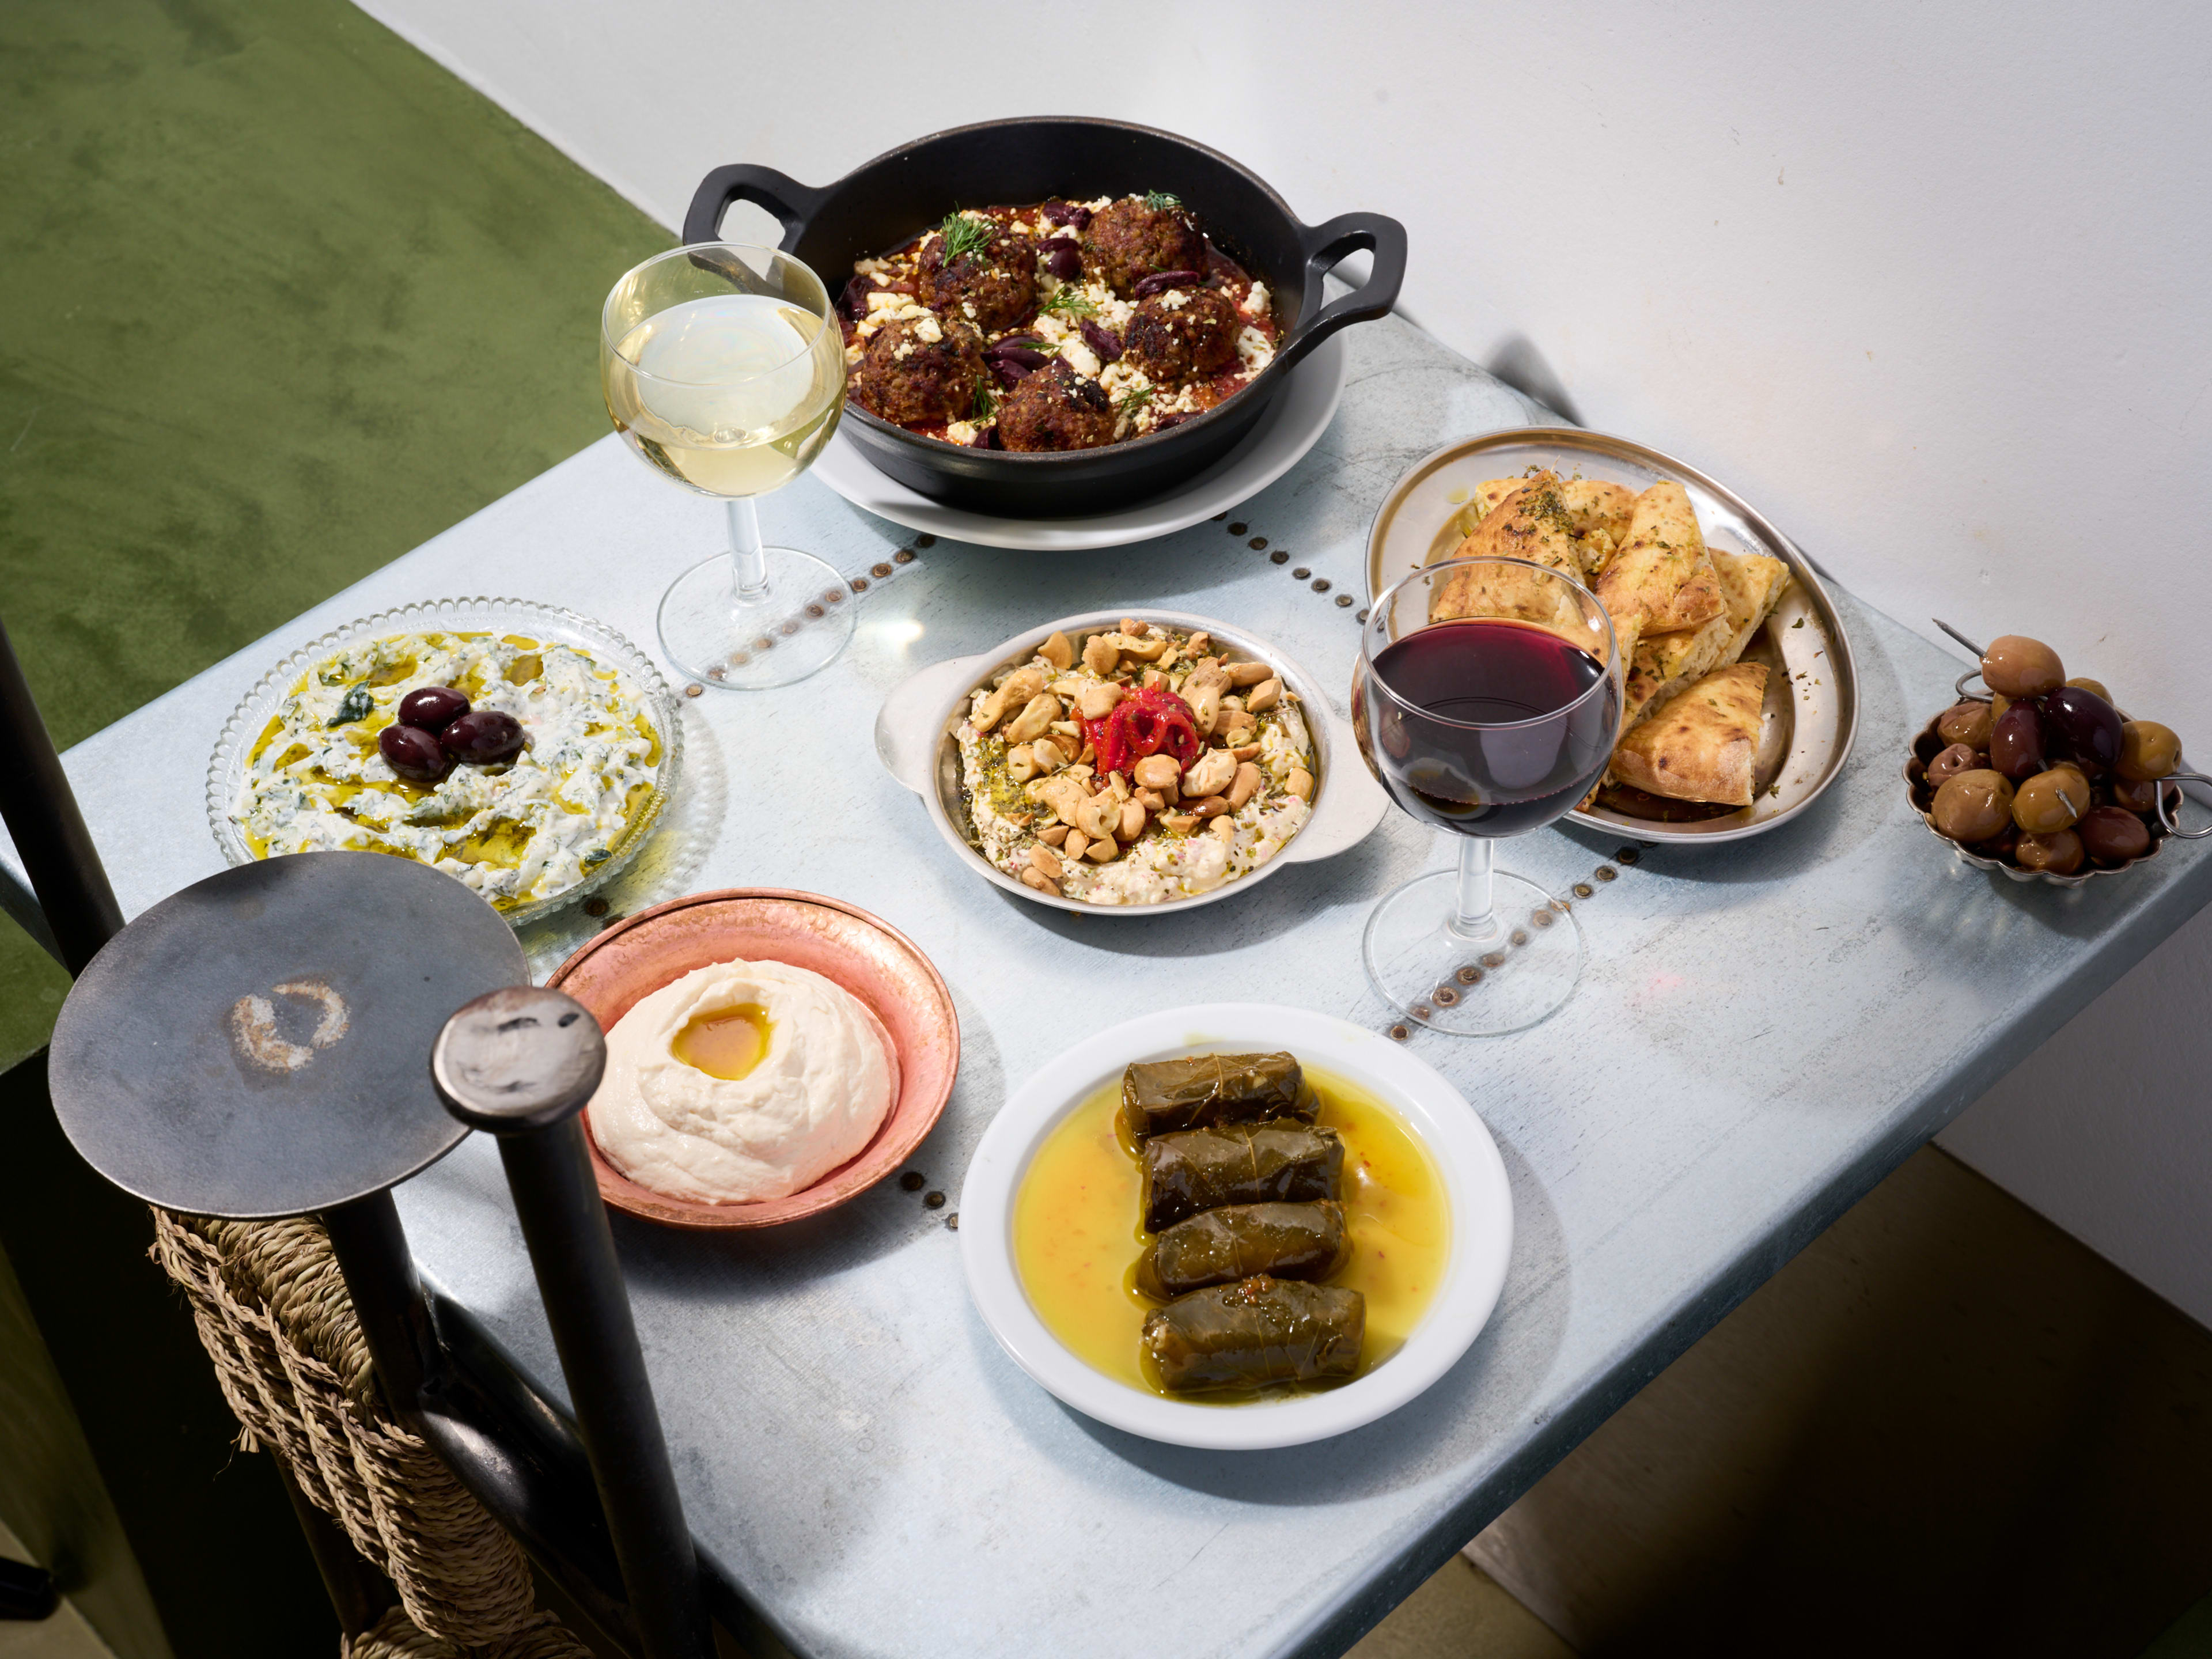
<point x="1473" y="917"/>
<point x="751" y="564"/>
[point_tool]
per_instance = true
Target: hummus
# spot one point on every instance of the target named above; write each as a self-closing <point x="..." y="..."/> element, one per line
<point x="810" y="1100"/>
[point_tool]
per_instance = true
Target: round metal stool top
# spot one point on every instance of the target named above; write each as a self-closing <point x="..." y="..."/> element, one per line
<point x="256" y="1045"/>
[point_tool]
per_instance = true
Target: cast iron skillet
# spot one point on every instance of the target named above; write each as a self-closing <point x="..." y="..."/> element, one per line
<point x="878" y="206"/>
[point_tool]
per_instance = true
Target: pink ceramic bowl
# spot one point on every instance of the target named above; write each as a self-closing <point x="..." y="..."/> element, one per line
<point x="875" y="962"/>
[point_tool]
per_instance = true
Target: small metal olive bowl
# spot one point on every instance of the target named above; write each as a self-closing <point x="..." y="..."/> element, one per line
<point x="1922" y="794"/>
<point x="916" y="742"/>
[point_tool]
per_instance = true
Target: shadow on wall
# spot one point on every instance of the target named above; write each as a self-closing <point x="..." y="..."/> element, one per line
<point x="1518" y="363"/>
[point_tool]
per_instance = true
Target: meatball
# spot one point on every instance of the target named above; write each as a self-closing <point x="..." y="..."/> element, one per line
<point x="995" y="286"/>
<point x="920" y="371"/>
<point x="1129" y="241"/>
<point x="1186" y="333"/>
<point x="1056" y="408"/>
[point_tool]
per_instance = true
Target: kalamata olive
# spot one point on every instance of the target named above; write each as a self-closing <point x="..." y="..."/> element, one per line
<point x="2021" y="667"/>
<point x="986" y="439"/>
<point x="2136" y="794"/>
<point x="432" y="708"/>
<point x="1023" y="353"/>
<point x="852" y="301"/>
<point x="1966" y="722"/>
<point x="2059" y="854"/>
<point x="2016" y="743"/>
<point x="2114" y="834"/>
<point x="2050" y="801"/>
<point x="1101" y="341"/>
<point x="2084" y="683"/>
<point x="1063" y="258"/>
<point x="2147" y="751"/>
<point x="485" y="736"/>
<point x="1974" y="806"/>
<point x="1067" y="213"/>
<point x="2082" y="726"/>
<point x="1161" y="281"/>
<point x="413" y="753"/>
<point x="1010" y="375"/>
<point x="2000" y="845"/>
<point x="1952" y="761"/>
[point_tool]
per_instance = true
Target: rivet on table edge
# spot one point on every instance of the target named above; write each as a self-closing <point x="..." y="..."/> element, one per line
<point x="1584" y="889"/>
<point x="1520" y="936"/>
<point x="595" y="907"/>
<point x="1446" y="996"/>
<point x="1301" y="574"/>
<point x="1468" y="975"/>
<point x="1238" y="529"/>
<point x="860" y="584"/>
<point x="913" y="1180"/>
<point x="879" y="568"/>
<point x="934" y="1200"/>
<point x="1278" y="556"/>
<point x="1320" y="585"/>
<point x="1627" y="855"/>
<point x="1258" y="544"/>
<point x="1421" y="1010"/>
<point x="693" y="691"/>
<point x="952" y="1221"/>
<point x="1606" y="872"/>
<point x="1344" y="601"/>
<point x="924" y="540"/>
<point x="1493" y="959"/>
<point x="1400" y="1033"/>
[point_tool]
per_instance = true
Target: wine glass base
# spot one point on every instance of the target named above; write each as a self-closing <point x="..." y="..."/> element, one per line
<point x="1522" y="974"/>
<point x="714" y="640"/>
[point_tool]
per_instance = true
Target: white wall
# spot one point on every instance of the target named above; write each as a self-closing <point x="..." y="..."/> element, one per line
<point x="1928" y="283"/>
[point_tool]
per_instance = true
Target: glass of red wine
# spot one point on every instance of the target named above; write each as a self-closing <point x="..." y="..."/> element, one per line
<point x="1486" y="699"/>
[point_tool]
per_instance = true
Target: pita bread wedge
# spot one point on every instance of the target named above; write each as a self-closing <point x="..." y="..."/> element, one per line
<point x="1663" y="571"/>
<point x="1702" y="742"/>
<point x="1486" y="497"/>
<point x="1667" y="663"/>
<point x="1599" y="504"/>
<point x="1751" y="584"/>
<point x="1531" y="525"/>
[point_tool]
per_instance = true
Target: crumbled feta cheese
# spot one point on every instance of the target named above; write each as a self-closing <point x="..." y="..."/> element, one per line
<point x="1253" y="350"/>
<point x="1081" y="357"/>
<point x="1174" y="299"/>
<point x="927" y="330"/>
<point x="961" y="432"/>
<point x="1256" y="302"/>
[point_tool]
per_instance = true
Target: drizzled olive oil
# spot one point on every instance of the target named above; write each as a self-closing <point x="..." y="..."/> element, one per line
<point x="1077" y="1234"/>
<point x="725" y="1042"/>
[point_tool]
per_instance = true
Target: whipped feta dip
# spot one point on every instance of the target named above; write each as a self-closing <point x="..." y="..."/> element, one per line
<point x="820" y="1088"/>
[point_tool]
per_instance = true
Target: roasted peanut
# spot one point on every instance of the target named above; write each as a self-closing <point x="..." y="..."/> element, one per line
<point x="1055" y="835"/>
<point x="1095" y="702"/>
<point x="1152" y="677"/>
<point x="1245" y="751"/>
<point x="1132" y="822"/>
<point x="1045" y="862"/>
<point x="1205" y="703"/>
<point x="1057" y="651"/>
<point x="1119" y="785"/>
<point x="1150" y="799"/>
<point x="1182" y="823"/>
<point x="1135" y="629"/>
<point x="1046" y="755"/>
<point x="1021" y="763"/>
<point x="1211" y="807"/>
<point x="1100" y="654"/>
<point x="1041" y="711"/>
<point x="1300" y="783"/>
<point x="1249" y="674"/>
<point x="1157" y="771"/>
<point x="1102" y="850"/>
<point x="1196" y="644"/>
<point x="1264" y="695"/>
<point x="1140" y="649"/>
<point x="1044" y="883"/>
<point x="1067" y="728"/>
<point x="1235" y="720"/>
<point x="1063" y="793"/>
<point x="1209" y="774"/>
<point x="1224" y="829"/>
<point x="1244" y="786"/>
<point x="1098" y="815"/>
<point x="1073" y="845"/>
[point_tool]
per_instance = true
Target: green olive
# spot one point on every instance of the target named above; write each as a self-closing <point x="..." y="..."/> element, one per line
<point x="2088" y="684"/>
<point x="2050" y="801"/>
<point x="2147" y="751"/>
<point x="2021" y="667"/>
<point x="1966" y="722"/>
<point x="1973" y="806"/>
<point x="2138" y="795"/>
<point x="2061" y="853"/>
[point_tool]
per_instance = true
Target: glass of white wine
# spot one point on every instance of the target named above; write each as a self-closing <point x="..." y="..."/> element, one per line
<point x="724" y="366"/>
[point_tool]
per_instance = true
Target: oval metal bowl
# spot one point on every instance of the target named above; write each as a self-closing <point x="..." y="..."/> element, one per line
<point x="915" y="740"/>
<point x="1918" y="790"/>
<point x="861" y="953"/>
<point x="1813" y="693"/>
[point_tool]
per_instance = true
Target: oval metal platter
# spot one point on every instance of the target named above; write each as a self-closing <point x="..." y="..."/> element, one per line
<point x="1812" y="698"/>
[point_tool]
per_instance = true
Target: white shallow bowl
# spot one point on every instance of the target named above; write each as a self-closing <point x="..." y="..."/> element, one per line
<point x="1475" y="1186"/>
<point x="1277" y="441"/>
<point x="914" y="741"/>
<point x="226" y="777"/>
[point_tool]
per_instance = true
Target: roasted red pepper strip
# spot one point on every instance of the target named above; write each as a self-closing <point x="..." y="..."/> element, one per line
<point x="1146" y="721"/>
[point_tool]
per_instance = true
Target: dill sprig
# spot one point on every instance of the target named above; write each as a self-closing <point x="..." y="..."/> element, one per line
<point x="964" y="236"/>
<point x="1156" y="199"/>
<point x="1133" y="401"/>
<point x="986" y="402"/>
<point x="1069" y="300"/>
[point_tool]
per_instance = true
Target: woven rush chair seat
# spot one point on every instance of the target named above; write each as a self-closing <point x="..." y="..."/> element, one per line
<point x="275" y="1317"/>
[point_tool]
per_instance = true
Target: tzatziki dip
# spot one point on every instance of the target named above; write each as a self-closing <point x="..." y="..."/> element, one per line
<point x="527" y="829"/>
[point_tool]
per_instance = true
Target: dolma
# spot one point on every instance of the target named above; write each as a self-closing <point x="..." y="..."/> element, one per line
<point x="1282" y="1162"/>
<point x="1260" y="1330"/>
<point x="1219" y="1247"/>
<point x="1161" y="1096"/>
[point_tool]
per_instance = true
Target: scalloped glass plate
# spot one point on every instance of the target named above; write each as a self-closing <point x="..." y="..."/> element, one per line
<point x="227" y="769"/>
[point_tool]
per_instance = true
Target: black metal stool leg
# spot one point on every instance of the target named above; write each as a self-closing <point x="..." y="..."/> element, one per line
<point x="520" y="1064"/>
<point x="41" y="811"/>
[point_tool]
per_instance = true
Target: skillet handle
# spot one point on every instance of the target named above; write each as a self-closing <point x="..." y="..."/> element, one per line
<point x="792" y="203"/>
<point x="1325" y="245"/>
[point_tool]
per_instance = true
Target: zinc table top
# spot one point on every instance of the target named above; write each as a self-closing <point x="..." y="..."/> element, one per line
<point x="1765" y="1028"/>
